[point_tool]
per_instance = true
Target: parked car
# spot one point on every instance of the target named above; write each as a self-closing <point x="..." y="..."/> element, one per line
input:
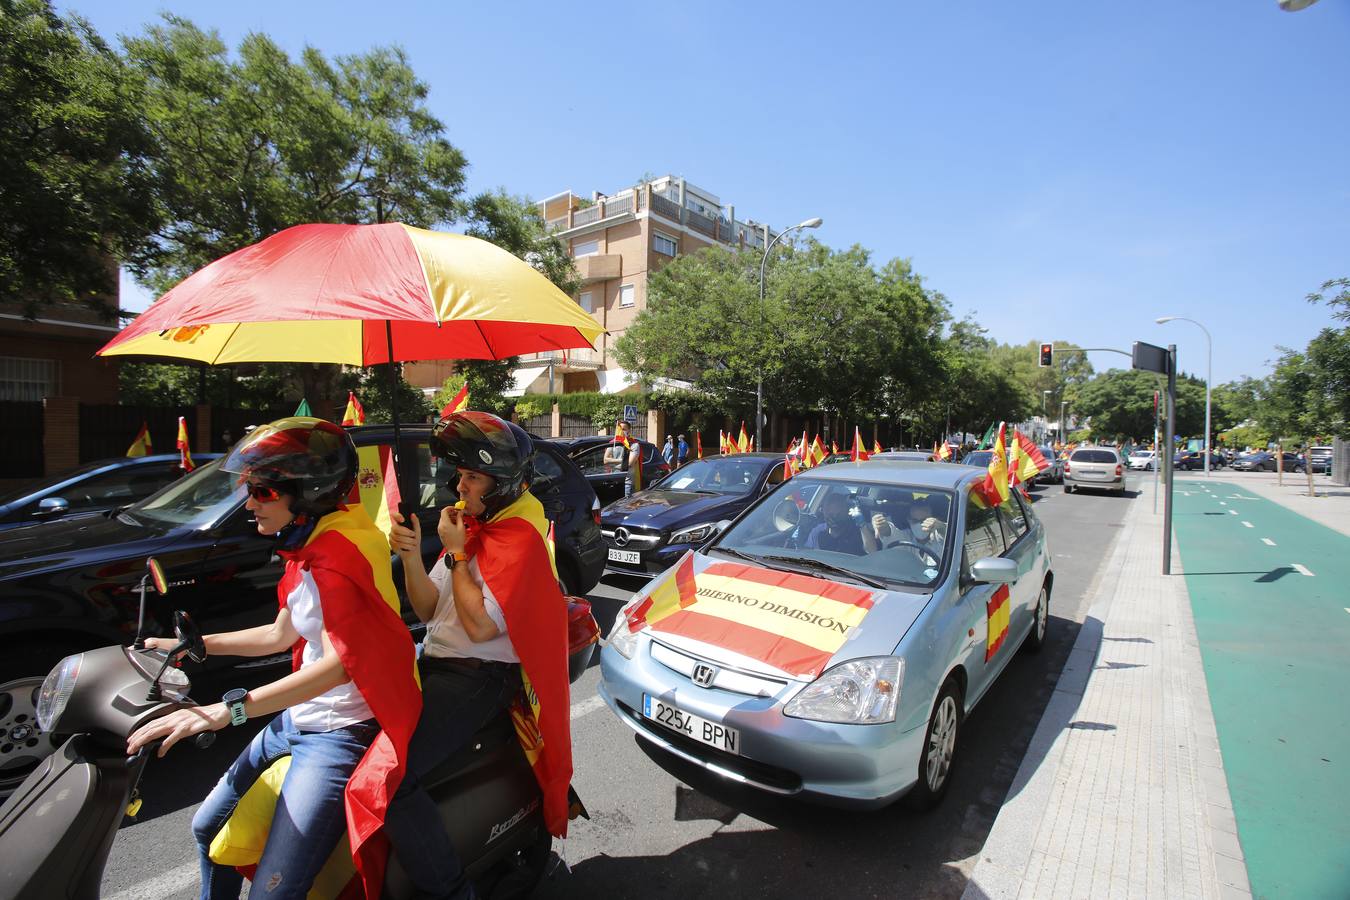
<point x="826" y="675"/>
<point x="607" y="478"/>
<point x="1143" y="460"/>
<point x="1319" y="459"/>
<point x="1268" y="462"/>
<point x="69" y="585"/>
<point x="648" y="531"/>
<point x="1193" y="460"/>
<point x="92" y="488"/>
<point x="1099" y="468"/>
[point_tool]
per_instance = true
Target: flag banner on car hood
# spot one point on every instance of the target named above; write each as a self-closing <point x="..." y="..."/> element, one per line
<point x="795" y="623"/>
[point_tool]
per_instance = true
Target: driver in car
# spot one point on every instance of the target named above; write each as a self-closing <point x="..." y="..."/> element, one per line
<point x="838" y="532"/>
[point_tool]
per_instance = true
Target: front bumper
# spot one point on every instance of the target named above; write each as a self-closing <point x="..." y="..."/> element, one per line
<point x="855" y="766"/>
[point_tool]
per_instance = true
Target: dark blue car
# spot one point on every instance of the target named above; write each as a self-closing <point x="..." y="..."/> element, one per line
<point x="647" y="532"/>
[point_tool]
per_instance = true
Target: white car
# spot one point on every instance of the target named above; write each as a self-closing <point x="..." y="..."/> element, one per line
<point x="1143" y="459"/>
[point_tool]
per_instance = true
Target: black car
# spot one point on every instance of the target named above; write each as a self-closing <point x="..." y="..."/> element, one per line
<point x="606" y="478"/>
<point x="69" y="585"/>
<point x="649" y="531"/>
<point x="92" y="488"/>
<point x="1192" y="460"/>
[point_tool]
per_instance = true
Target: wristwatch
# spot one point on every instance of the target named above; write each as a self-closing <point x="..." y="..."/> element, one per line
<point x="452" y="558"/>
<point x="234" y="701"/>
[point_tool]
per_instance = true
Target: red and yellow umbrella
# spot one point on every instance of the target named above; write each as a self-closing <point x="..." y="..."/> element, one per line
<point x="359" y="295"/>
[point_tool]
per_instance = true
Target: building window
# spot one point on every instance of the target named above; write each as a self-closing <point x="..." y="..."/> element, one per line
<point x="626" y="295"/>
<point x="666" y="245"/>
<point x="585" y="248"/>
<point x="29" y="379"/>
<point x="585" y="301"/>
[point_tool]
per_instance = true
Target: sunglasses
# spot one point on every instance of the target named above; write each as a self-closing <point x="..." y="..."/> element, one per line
<point x="261" y="492"/>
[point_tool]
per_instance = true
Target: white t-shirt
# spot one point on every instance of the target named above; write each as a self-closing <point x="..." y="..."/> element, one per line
<point x="446" y="637"/>
<point x="339" y="706"/>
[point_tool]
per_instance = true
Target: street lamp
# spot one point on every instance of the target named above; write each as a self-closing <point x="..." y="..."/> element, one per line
<point x="759" y="385"/>
<point x="1044" y="394"/>
<point x="1209" y="374"/>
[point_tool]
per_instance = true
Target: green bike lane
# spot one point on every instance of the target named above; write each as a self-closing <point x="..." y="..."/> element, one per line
<point x="1269" y="593"/>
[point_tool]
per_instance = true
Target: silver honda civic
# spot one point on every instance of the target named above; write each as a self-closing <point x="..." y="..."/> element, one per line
<point x="829" y="643"/>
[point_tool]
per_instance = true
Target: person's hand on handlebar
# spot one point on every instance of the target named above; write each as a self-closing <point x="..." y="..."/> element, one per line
<point x="179" y="724"/>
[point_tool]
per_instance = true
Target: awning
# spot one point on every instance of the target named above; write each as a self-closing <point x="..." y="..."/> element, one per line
<point x="524" y="377"/>
<point x="615" y="381"/>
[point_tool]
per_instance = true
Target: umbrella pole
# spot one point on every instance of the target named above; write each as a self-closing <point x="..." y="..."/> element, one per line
<point x="404" y="507"/>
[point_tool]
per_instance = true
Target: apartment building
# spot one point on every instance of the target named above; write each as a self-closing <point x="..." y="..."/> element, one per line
<point x="619" y="240"/>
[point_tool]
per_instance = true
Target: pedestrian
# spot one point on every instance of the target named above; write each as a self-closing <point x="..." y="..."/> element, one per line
<point x="493" y="610"/>
<point x="351" y="703"/>
<point x="682" y="452"/>
<point x="668" y="450"/>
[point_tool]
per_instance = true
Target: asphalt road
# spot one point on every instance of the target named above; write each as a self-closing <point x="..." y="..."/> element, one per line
<point x="662" y="828"/>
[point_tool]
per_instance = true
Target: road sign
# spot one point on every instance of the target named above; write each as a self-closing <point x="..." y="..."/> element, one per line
<point x="1150" y="357"/>
<point x="630" y="413"/>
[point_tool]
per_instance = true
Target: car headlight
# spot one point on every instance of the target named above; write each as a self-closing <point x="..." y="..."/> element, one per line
<point x="695" y="535"/>
<point x="858" y="692"/>
<point x="56" y="690"/>
<point x="621" y="637"/>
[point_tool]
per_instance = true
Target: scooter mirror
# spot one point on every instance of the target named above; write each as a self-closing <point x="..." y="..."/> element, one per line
<point x="157" y="576"/>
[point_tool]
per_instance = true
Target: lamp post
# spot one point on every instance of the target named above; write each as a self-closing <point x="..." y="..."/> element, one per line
<point x="759" y="385"/>
<point x="1044" y="394"/>
<point x="1209" y="374"/>
<point x="1063" y="438"/>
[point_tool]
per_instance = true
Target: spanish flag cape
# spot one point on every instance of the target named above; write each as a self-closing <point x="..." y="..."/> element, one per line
<point x="516" y="565"/>
<point x="348" y="557"/>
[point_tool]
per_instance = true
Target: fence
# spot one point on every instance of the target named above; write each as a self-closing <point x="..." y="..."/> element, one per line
<point x="107" y="431"/>
<point x="236" y="421"/>
<point x="22" y="454"/>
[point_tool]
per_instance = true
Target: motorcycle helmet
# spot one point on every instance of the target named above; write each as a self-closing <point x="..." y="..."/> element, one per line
<point x="482" y="442"/>
<point x="311" y="459"/>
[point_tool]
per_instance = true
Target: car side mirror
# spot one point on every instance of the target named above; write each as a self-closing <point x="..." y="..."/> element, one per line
<point x="52" y="506"/>
<point x="994" y="570"/>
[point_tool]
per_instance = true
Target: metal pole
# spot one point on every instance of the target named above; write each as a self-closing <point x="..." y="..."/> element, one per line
<point x="1156" y="464"/>
<point x="1209" y="382"/>
<point x="1167" y="456"/>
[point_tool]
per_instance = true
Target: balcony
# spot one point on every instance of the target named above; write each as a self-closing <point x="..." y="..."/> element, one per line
<point x="624" y="204"/>
<point x="583" y="360"/>
<point x="599" y="267"/>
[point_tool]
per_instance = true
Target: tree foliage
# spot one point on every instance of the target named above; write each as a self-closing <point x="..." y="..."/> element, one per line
<point x="1120" y="404"/>
<point x="76" y="181"/>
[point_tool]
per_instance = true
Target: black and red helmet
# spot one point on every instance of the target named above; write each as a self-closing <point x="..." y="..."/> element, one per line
<point x="312" y="459"/>
<point x="482" y="442"/>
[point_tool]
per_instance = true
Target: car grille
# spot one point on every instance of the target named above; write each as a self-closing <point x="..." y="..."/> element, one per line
<point x="638" y="538"/>
<point x="726" y="679"/>
<point x="762" y="773"/>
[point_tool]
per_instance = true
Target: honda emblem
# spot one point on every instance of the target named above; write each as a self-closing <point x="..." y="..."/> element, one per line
<point x="704" y="674"/>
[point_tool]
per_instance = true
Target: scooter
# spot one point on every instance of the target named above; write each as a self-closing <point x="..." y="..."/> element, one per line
<point x="57" y="828"/>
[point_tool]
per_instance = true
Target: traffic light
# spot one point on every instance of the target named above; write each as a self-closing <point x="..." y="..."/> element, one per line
<point x="1047" y="354"/>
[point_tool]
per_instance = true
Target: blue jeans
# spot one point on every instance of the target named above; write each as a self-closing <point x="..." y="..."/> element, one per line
<point x="456" y="702"/>
<point x="310" y="818"/>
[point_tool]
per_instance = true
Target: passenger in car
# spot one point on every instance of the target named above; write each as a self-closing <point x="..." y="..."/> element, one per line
<point x="838" y="532"/>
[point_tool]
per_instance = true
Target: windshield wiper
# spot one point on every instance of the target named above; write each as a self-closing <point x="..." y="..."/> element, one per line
<point x="809" y="563"/>
<point x="739" y="554"/>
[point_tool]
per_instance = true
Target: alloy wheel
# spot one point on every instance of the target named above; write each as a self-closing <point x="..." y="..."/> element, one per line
<point x="941" y="743"/>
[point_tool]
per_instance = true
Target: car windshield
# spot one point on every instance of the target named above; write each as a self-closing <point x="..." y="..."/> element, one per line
<point x="717" y="475"/>
<point x="195" y="500"/>
<point x="978" y="458"/>
<point x="894" y="534"/>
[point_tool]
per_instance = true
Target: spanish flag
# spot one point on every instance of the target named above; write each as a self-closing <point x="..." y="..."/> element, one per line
<point x="876" y="445"/>
<point x="993" y="490"/>
<point x="184" y="449"/>
<point x="348" y="559"/>
<point x="816" y="455"/>
<point x="514" y="561"/>
<point x="859" y="452"/>
<point x="354" y="414"/>
<point x="743" y="442"/>
<point x="996" y="611"/>
<point x="141" y="446"/>
<point x="1027" y="461"/>
<point x="458" y="403"/>
<point x="632" y="449"/>
<point x="698" y="444"/>
<point x="944" y="452"/>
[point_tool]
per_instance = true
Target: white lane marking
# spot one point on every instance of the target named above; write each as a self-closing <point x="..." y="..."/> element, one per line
<point x="1346" y="608"/>
<point x="166" y="884"/>
<point x="585" y="707"/>
<point x="1223" y="502"/>
<point x="1268" y="541"/>
<point x="1248" y="524"/>
<point x="1303" y="570"/>
<point x="1232" y="512"/>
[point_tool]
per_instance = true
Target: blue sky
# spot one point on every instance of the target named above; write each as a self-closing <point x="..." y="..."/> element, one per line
<point x="1065" y="171"/>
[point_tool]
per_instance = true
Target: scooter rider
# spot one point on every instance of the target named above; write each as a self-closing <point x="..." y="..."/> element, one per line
<point x="492" y="608"/>
<point x="351" y="702"/>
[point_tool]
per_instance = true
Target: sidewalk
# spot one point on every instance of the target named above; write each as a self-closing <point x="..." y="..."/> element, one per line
<point x="1122" y="791"/>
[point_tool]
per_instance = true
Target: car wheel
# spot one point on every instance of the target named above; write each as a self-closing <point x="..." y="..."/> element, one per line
<point x="939" y="749"/>
<point x="1035" y="641"/>
<point x="1068" y="489"/>
<point x="23" y="746"/>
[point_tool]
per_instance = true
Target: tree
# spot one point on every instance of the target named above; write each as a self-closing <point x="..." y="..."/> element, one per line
<point x="246" y="145"/>
<point x="1120" y="403"/>
<point x="75" y="180"/>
